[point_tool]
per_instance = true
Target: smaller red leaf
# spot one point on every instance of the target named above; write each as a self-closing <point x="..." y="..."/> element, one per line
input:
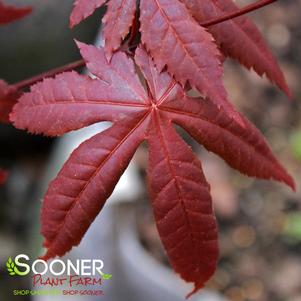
<point x="11" y="13"/>
<point x="8" y="98"/>
<point x="239" y="38"/>
<point x="83" y="9"/>
<point x="117" y="22"/>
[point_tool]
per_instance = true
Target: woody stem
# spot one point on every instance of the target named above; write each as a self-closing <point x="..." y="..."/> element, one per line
<point x="240" y="12"/>
<point x="30" y="81"/>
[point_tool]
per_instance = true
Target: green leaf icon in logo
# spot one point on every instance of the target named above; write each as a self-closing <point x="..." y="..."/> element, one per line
<point x="10" y="266"/>
<point x="12" y="269"/>
<point x="105" y="276"/>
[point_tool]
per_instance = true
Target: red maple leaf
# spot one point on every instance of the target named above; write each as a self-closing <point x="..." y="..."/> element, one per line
<point x="179" y="192"/>
<point x="117" y="23"/>
<point x="11" y="13"/>
<point x="239" y="38"/>
<point x="83" y="9"/>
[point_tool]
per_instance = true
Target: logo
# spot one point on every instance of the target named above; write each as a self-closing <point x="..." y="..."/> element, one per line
<point x="11" y="268"/>
<point x="57" y="267"/>
<point x="77" y="275"/>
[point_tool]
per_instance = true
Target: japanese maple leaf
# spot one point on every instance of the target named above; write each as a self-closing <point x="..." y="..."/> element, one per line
<point x="179" y="192"/>
<point x="116" y="23"/>
<point x="10" y="13"/>
<point x="173" y="38"/>
<point x="8" y="98"/>
<point x="83" y="9"/>
<point x="239" y="38"/>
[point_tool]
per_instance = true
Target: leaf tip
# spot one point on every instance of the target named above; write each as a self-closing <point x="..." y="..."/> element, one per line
<point x="46" y="243"/>
<point x="282" y="84"/>
<point x="44" y="257"/>
<point x="291" y="182"/>
<point x="75" y="18"/>
<point x="81" y="46"/>
<point x="286" y="178"/>
<point x="71" y="23"/>
<point x="108" y="54"/>
<point x="235" y="115"/>
<point x="288" y="93"/>
<point x="78" y="43"/>
<point x="47" y="254"/>
<point x="11" y="117"/>
<point x="29" y="9"/>
<point x="238" y="118"/>
<point x="197" y="287"/>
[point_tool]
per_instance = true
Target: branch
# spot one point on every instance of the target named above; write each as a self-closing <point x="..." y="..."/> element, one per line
<point x="240" y="12"/>
<point x="30" y="81"/>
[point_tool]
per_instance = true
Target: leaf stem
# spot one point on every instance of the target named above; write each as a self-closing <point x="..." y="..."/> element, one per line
<point x="240" y="12"/>
<point x="30" y="81"/>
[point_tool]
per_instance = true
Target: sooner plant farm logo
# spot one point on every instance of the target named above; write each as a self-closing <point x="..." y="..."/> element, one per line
<point x="67" y="277"/>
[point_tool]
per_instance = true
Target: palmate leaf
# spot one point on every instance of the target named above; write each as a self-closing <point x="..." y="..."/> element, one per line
<point x="178" y="190"/>
<point x="239" y="38"/>
<point x="11" y="13"/>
